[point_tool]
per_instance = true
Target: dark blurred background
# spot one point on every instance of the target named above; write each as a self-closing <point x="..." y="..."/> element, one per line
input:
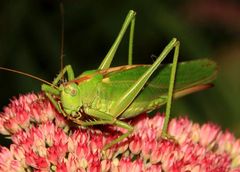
<point x="30" y="41"/>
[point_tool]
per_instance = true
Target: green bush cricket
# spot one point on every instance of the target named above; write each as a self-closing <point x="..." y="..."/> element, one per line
<point x="108" y="95"/>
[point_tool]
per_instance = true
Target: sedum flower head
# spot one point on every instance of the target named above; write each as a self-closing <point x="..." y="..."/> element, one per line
<point x="42" y="140"/>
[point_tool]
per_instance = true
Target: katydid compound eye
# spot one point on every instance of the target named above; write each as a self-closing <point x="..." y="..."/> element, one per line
<point x="73" y="92"/>
<point x="71" y="89"/>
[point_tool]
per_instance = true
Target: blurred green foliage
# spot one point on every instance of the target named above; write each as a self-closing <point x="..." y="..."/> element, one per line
<point x="30" y="41"/>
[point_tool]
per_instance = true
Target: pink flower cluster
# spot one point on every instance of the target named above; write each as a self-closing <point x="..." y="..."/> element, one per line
<point x="42" y="140"/>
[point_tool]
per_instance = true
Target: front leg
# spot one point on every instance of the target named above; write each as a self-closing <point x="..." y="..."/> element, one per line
<point x="51" y="90"/>
<point x="70" y="74"/>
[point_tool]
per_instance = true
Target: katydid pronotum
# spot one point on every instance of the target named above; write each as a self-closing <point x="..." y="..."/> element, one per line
<point x="108" y="95"/>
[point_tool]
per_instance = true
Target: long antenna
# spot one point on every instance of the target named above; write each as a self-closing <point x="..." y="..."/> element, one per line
<point x="28" y="75"/>
<point x="61" y="6"/>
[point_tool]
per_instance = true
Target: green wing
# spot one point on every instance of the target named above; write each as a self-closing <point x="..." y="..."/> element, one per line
<point x="191" y="76"/>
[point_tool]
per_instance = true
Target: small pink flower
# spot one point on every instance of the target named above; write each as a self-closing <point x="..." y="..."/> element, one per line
<point x="56" y="153"/>
<point x="36" y="161"/>
<point x="236" y="148"/>
<point x="154" y="168"/>
<point x="135" y="144"/>
<point x="137" y="165"/>
<point x="180" y="129"/>
<point x="19" y="154"/>
<point x="225" y="142"/>
<point x="105" y="165"/>
<point x="5" y="156"/>
<point x="3" y="129"/>
<point x="208" y="133"/>
<point x="147" y="147"/>
<point x="94" y="166"/>
<point x="62" y="167"/>
<point x="124" y="164"/>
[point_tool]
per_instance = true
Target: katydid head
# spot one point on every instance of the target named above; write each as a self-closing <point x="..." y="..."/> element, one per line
<point x="70" y="98"/>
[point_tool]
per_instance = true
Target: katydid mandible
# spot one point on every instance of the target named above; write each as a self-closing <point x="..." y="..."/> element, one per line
<point x="109" y="94"/>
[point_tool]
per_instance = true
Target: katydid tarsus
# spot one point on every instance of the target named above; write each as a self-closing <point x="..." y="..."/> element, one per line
<point x="108" y="95"/>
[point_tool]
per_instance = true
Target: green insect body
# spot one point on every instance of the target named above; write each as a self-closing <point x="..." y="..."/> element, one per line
<point x="102" y="89"/>
<point x="109" y="94"/>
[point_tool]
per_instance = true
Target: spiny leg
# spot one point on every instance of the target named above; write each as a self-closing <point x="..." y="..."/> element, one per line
<point x="116" y="123"/>
<point x="70" y="74"/>
<point x="104" y="118"/>
<point x="49" y="90"/>
<point x="170" y="89"/>
<point x="122" y="137"/>
<point x="130" y="48"/>
<point x="111" y="120"/>
<point x="126" y="99"/>
<point x="54" y="102"/>
<point x="109" y="57"/>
